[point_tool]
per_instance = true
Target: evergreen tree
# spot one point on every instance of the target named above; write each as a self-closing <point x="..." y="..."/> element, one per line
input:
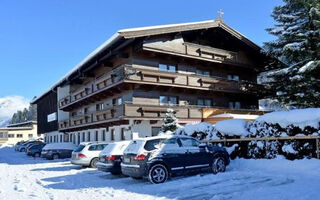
<point x="170" y="122"/>
<point x="297" y="30"/>
<point x="29" y="114"/>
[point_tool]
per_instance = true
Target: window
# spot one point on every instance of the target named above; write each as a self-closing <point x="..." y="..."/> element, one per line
<point x="19" y="135"/>
<point x="10" y="135"/>
<point x="96" y="136"/>
<point x="122" y="134"/>
<point x="93" y="148"/>
<point x="234" y="105"/>
<point x="169" y="68"/>
<point x="74" y="114"/>
<point x="117" y="101"/>
<point x="152" y="144"/>
<point x="233" y="77"/>
<point x="204" y="102"/>
<point x="85" y="110"/>
<point x="30" y="135"/>
<point x="171" y="100"/>
<point x="203" y="72"/>
<point x="99" y="106"/>
<point x="89" y="136"/>
<point x="50" y="139"/>
<point x="83" y="136"/>
<point x="3" y="135"/>
<point x="103" y="135"/>
<point x="155" y="131"/>
<point x="112" y="134"/>
<point x="189" y="142"/>
<point x="70" y="137"/>
<point x="66" y="138"/>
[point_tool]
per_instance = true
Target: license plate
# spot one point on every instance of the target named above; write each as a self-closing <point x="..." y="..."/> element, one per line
<point x="127" y="160"/>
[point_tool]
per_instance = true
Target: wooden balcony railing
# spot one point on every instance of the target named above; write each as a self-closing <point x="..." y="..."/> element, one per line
<point x="132" y="74"/>
<point x="129" y="110"/>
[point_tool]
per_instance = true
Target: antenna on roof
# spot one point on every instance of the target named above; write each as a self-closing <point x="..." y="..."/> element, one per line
<point x="220" y="15"/>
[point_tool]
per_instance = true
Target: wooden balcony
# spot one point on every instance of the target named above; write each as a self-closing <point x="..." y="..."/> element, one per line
<point x="114" y="81"/>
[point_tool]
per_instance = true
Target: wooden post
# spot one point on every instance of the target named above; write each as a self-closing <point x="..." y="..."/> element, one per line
<point x="317" y="148"/>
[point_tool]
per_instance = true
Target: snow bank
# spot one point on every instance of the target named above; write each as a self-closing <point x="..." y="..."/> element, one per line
<point x="68" y="146"/>
<point x="299" y="117"/>
<point x="232" y="127"/>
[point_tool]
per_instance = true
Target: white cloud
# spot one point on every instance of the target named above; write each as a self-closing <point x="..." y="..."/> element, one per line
<point x="11" y="104"/>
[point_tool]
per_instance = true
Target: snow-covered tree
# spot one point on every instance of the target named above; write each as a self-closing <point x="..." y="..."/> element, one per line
<point x="170" y="122"/>
<point x="297" y="44"/>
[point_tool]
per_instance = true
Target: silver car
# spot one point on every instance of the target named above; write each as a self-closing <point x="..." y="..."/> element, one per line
<point x="87" y="153"/>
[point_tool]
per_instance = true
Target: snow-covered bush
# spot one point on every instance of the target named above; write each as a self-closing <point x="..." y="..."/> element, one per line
<point x="201" y="131"/>
<point x="231" y="128"/>
<point x="301" y="122"/>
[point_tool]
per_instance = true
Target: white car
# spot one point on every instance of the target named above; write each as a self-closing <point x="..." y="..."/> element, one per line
<point x="87" y="153"/>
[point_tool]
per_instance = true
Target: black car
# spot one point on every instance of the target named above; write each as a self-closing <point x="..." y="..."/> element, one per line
<point x="54" y="151"/>
<point x="158" y="158"/>
<point x="111" y="157"/>
<point x="35" y="150"/>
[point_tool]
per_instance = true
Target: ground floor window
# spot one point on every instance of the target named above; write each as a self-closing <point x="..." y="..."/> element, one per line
<point x="155" y="131"/>
<point x="10" y="135"/>
<point x="60" y="138"/>
<point x="122" y="134"/>
<point x="96" y="136"/>
<point x="103" y="135"/>
<point x="30" y="135"/>
<point x="19" y="135"/>
<point x="112" y="134"/>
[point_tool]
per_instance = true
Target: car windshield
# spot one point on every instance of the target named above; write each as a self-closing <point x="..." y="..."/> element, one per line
<point x="79" y="148"/>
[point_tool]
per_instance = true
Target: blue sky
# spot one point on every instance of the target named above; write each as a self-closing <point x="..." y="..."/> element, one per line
<point x="41" y="40"/>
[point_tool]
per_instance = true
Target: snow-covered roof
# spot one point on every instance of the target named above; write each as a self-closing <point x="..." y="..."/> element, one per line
<point x="22" y="123"/>
<point x="147" y="31"/>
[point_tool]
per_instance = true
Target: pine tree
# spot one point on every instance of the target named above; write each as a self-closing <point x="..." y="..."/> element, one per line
<point x="170" y="122"/>
<point x="298" y="45"/>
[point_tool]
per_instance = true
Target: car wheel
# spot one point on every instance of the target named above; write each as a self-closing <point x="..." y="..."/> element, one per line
<point x="158" y="173"/>
<point x="55" y="156"/>
<point x="218" y="165"/>
<point x="93" y="162"/>
<point x="37" y="155"/>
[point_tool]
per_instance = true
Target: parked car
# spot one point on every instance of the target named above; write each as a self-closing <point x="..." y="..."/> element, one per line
<point x="17" y="145"/>
<point x="87" y="153"/>
<point x="111" y="156"/>
<point x="54" y="151"/>
<point x="23" y="146"/>
<point x="35" y="150"/>
<point x="158" y="158"/>
<point x="31" y="144"/>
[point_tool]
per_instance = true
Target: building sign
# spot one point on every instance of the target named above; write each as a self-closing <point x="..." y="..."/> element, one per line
<point x="52" y="117"/>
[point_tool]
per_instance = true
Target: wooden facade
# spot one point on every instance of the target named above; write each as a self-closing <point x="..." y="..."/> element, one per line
<point x="141" y="72"/>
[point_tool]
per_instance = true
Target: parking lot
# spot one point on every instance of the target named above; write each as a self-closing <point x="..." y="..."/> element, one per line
<point x="24" y="177"/>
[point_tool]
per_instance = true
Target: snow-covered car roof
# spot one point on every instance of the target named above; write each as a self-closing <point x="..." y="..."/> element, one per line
<point x="116" y="148"/>
<point x="64" y="145"/>
<point x="89" y="143"/>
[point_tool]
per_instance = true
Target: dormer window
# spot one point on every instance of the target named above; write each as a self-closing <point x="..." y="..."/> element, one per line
<point x="168" y="68"/>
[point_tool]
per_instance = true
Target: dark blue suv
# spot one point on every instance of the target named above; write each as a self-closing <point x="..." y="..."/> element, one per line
<point x="158" y="158"/>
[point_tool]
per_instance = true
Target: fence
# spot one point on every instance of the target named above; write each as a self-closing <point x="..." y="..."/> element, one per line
<point x="265" y="139"/>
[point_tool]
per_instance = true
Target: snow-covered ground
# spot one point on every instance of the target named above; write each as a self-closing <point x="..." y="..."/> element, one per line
<point x="23" y="177"/>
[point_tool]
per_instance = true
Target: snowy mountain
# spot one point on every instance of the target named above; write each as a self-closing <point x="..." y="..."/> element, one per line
<point x="4" y="123"/>
<point x="9" y="105"/>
